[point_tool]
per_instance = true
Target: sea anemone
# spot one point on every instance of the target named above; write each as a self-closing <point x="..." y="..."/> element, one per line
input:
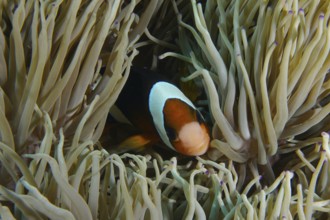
<point x="265" y="68"/>
<point x="261" y="72"/>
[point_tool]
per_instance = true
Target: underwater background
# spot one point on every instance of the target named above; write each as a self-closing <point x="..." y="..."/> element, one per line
<point x="257" y="70"/>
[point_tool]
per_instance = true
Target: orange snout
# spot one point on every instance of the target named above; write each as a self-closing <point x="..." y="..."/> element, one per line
<point x="193" y="139"/>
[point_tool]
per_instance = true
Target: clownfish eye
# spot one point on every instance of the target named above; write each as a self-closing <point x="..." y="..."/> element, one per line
<point x="171" y="134"/>
<point x="199" y="117"/>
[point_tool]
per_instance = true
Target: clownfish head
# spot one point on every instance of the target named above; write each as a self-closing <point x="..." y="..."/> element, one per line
<point x="185" y="128"/>
<point x="179" y="124"/>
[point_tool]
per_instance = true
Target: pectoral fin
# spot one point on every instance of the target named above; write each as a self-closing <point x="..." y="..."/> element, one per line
<point x="136" y="142"/>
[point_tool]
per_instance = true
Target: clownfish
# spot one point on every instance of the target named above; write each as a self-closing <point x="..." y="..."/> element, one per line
<point x="161" y="112"/>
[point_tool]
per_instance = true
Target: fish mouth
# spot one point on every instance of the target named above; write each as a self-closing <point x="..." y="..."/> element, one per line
<point x="202" y="147"/>
<point x="191" y="145"/>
